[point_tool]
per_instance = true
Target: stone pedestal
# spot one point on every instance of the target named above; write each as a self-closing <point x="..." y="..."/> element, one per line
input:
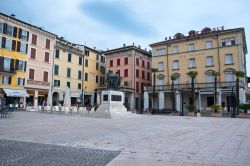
<point x="112" y="104"/>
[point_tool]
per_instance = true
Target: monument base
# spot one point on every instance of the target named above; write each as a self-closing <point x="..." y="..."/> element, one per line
<point x="112" y="104"/>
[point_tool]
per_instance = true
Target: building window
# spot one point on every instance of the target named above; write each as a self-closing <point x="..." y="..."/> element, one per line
<point x="69" y="57"/>
<point x="160" y="66"/>
<point x="34" y="39"/>
<point x="86" y="76"/>
<point x="86" y="62"/>
<point x="45" y="76"/>
<point x="23" y="34"/>
<point x="57" y="83"/>
<point x="142" y="63"/>
<point x="1" y="28"/>
<point x="143" y="75"/>
<point x="102" y="59"/>
<point x="137" y="73"/>
<point x="33" y="53"/>
<point x="125" y="61"/>
<point x="229" y="59"/>
<point x="175" y="49"/>
<point x="125" y="83"/>
<point x="191" y="47"/>
<point x="23" y="48"/>
<point x="209" y="77"/>
<point x="191" y="63"/>
<point x="68" y="84"/>
<point x="86" y="52"/>
<point x="137" y="87"/>
<point x="125" y="72"/>
<point x="161" y="51"/>
<point x="209" y="44"/>
<point x="9" y="30"/>
<point x="228" y="42"/>
<point x="79" y="75"/>
<point x="6" y="80"/>
<point x="229" y="76"/>
<point x="46" y="57"/>
<point x="47" y="45"/>
<point x="20" y="81"/>
<point x="148" y="76"/>
<point x="161" y="80"/>
<point x="20" y="65"/>
<point x="137" y="62"/>
<point x="7" y="64"/>
<point x="79" y="86"/>
<point x="57" y="54"/>
<point x="175" y="65"/>
<point x="68" y="72"/>
<point x="97" y="57"/>
<point x="209" y="61"/>
<point x="80" y="61"/>
<point x="118" y="62"/>
<point x="177" y="79"/>
<point x="56" y="69"/>
<point x="97" y="66"/>
<point x="148" y="65"/>
<point x="111" y="63"/>
<point x="8" y="44"/>
<point x="31" y="74"/>
<point x="96" y="79"/>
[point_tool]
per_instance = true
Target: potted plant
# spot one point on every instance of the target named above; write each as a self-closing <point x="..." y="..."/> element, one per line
<point x="215" y="109"/>
<point x="191" y="110"/>
<point x="244" y="107"/>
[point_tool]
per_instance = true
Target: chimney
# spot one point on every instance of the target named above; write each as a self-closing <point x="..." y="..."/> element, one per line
<point x="166" y="38"/>
<point x="13" y="15"/>
<point x="145" y="49"/>
<point x="94" y="48"/>
<point x="133" y="44"/>
<point x="139" y="46"/>
<point x="107" y="49"/>
<point x="124" y="45"/>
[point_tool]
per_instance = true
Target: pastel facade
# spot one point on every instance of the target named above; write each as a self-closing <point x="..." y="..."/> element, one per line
<point x="219" y="50"/>
<point x="67" y="72"/>
<point x="134" y="66"/>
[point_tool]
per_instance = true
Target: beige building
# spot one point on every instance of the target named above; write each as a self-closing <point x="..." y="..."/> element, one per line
<point x="67" y="72"/>
<point x="205" y="51"/>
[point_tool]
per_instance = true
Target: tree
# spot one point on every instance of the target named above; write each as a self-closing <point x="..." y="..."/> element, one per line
<point x="154" y="71"/>
<point x="173" y="78"/>
<point x="216" y="75"/>
<point x="238" y="74"/>
<point x="193" y="75"/>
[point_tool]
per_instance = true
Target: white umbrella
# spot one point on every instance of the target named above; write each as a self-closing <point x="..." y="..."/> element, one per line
<point x="67" y="99"/>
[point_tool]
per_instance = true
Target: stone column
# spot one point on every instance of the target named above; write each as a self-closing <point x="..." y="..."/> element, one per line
<point x="92" y="99"/>
<point x="132" y="102"/>
<point x="199" y="101"/>
<point x="161" y="99"/>
<point x="145" y="100"/>
<point x="178" y="101"/>
<point x="98" y="98"/>
<point x="36" y="99"/>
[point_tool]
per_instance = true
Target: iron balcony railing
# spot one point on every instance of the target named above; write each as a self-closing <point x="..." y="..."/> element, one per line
<point x="223" y="85"/>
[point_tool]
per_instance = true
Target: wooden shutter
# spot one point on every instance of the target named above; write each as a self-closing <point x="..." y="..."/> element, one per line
<point x="33" y="53"/>
<point x="17" y="64"/>
<point x="3" y="42"/>
<point x="31" y="74"/>
<point x="13" y="45"/>
<point x="1" y="63"/>
<point x="46" y="57"/>
<point x="9" y="80"/>
<point x="15" y="32"/>
<point x="26" y="48"/>
<point x="25" y="64"/>
<point x="12" y="65"/>
<point x="45" y="76"/>
<point x="4" y="28"/>
<point x="47" y="43"/>
<point x="18" y="46"/>
<point x="28" y="36"/>
<point x="20" y="33"/>
<point x="34" y="39"/>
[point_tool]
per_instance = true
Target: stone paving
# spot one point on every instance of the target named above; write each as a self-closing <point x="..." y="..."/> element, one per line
<point x="143" y="140"/>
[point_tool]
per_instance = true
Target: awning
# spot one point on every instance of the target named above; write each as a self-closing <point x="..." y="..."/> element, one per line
<point x="15" y="93"/>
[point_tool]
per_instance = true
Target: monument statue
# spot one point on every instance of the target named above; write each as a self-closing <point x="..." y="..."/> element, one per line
<point x="113" y="80"/>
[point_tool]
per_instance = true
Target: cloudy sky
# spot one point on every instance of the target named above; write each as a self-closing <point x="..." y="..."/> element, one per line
<point x="111" y="23"/>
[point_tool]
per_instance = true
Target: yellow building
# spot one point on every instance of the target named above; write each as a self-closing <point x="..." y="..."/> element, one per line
<point x="14" y="37"/>
<point x="209" y="50"/>
<point x="67" y="72"/>
<point x="94" y="74"/>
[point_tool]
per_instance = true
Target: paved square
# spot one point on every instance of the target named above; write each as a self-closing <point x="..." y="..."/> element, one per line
<point x="143" y="140"/>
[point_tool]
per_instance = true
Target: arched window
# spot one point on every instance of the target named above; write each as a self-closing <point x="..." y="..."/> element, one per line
<point x="229" y="75"/>
<point x="160" y="79"/>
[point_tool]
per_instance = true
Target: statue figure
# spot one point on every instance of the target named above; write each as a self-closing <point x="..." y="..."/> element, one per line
<point x="113" y="80"/>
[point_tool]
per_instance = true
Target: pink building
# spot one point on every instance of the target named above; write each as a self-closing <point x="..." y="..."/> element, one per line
<point x="39" y="66"/>
<point x="134" y="66"/>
